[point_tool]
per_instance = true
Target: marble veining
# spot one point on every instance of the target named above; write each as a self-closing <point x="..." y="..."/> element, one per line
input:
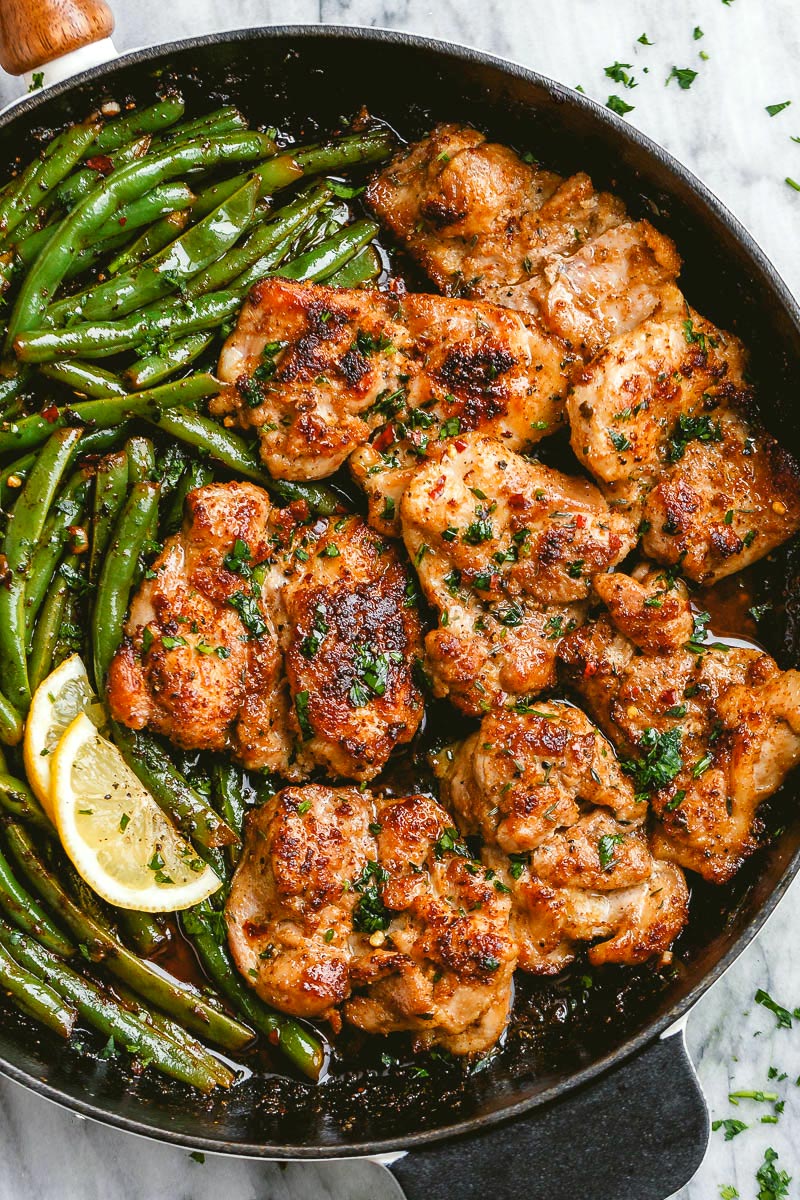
<point x="721" y="130"/>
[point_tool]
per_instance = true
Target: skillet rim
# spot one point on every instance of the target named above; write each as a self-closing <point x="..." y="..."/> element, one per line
<point x="674" y="1017"/>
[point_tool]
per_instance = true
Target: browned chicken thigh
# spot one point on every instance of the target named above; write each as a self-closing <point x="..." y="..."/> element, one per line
<point x="505" y="550"/>
<point x="347" y="905"/>
<point x="709" y="730"/>
<point x="661" y="420"/>
<point x="315" y="370"/>
<point x="287" y="639"/>
<point x="564" y="831"/>
<point x="486" y="224"/>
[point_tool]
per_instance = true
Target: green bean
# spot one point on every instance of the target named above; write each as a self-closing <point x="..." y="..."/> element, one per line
<point x="67" y="512"/>
<point x="110" y="491"/>
<point x="193" y="251"/>
<point x="362" y="269"/>
<point x="155" y="238"/>
<point x="49" y="627"/>
<point x="357" y="149"/>
<point x="10" y="723"/>
<point x="177" y="1034"/>
<point x="221" y="120"/>
<point x="141" y="459"/>
<point x="330" y="255"/>
<point x="143" y="930"/>
<point x="44" y="174"/>
<point x="286" y="223"/>
<point x="113" y="193"/>
<point x="196" y="475"/>
<point x="79" y="184"/>
<point x="116" y="576"/>
<point x="200" y="924"/>
<point x="161" y="201"/>
<point x="10" y="390"/>
<point x="99" y="1009"/>
<point x="155" y="368"/>
<point x="180" y="1000"/>
<point x="107" y="414"/>
<point x="187" y="808"/>
<point x="22" y="535"/>
<point x="230" y="804"/>
<point x="17" y="799"/>
<point x="35" y="997"/>
<point x="26" y="914"/>
<point x="85" y="378"/>
<point x="150" y="120"/>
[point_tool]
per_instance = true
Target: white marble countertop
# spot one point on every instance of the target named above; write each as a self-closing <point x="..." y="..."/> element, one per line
<point x="721" y="130"/>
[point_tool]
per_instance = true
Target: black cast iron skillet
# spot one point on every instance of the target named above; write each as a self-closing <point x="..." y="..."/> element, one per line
<point x="593" y="1096"/>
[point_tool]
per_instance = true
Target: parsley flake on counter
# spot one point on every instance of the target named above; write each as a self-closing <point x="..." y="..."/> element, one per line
<point x="774" y="109"/>
<point x="793" y="183"/>
<point x="697" y="33"/>
<point x="731" y="1126"/>
<point x="618" y="105"/>
<point x="619" y="72"/>
<point x="644" y="40"/>
<point x="773" y="1184"/>
<point x="685" y="77"/>
<point x="728" y="1192"/>
<point x="784" y="1017"/>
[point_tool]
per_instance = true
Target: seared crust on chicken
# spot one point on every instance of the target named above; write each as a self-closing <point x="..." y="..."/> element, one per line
<point x="661" y="420"/>
<point x="563" y="830"/>
<point x="709" y="730"/>
<point x="288" y="641"/>
<point x="483" y="223"/>
<point x="315" y="370"/>
<point x="348" y="905"/>
<point x="505" y="550"/>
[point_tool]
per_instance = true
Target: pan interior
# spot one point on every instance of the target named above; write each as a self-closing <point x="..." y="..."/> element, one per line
<point x="301" y="81"/>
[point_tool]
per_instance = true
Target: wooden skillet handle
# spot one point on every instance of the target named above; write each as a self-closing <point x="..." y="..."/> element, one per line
<point x="35" y="32"/>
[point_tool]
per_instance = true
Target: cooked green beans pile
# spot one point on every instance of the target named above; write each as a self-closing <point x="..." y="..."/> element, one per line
<point x="126" y="250"/>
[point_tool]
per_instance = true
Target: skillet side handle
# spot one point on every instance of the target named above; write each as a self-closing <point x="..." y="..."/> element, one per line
<point x="34" y="33"/>
<point x="640" y="1132"/>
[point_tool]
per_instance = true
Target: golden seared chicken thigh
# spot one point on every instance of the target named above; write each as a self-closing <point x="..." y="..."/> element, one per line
<point x="285" y="638"/>
<point x="348" y="905"/>
<point x="486" y="224"/>
<point x="505" y="550"/>
<point x="564" y="831"/>
<point x="660" y="418"/>
<point x="316" y="370"/>
<point x="708" y="730"/>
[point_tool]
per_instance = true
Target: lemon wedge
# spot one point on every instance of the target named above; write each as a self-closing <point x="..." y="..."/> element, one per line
<point x="117" y="837"/>
<point x="57" y="701"/>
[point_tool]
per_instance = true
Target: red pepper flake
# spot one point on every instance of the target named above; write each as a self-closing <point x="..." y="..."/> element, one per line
<point x="274" y="1037"/>
<point x="384" y="438"/>
<point x="517" y="500"/>
<point x="590" y="669"/>
<point x="50" y="413"/>
<point x="459" y="444"/>
<point x="580" y="521"/>
<point x="101" y="163"/>
<point x="123" y="220"/>
<point x="437" y="488"/>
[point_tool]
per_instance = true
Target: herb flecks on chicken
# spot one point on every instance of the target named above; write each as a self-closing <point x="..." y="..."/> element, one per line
<point x="505" y="550"/>
<point x="349" y="906"/>
<point x="564" y="831"/>
<point x="284" y="638"/>
<point x="484" y="223"/>
<point x="707" y="730"/>
<point x="315" y="371"/>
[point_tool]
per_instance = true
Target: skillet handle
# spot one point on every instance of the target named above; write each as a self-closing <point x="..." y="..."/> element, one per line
<point x="640" y="1132"/>
<point x="34" y="33"/>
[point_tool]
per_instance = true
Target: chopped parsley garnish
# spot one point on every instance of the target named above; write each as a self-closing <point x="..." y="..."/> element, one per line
<point x="690" y="429"/>
<point x="618" y="105"/>
<point x="731" y="1126"/>
<point x="301" y="709"/>
<point x="784" y="1017"/>
<point x="685" y="77"/>
<point x="697" y="643"/>
<point x="371" y="673"/>
<point x="449" y="428"/>
<point x="449" y="842"/>
<point x="367" y="343"/>
<point x="510" y="617"/>
<point x="303" y="807"/>
<point x="313" y="640"/>
<point x="774" y="109"/>
<point x="480" y="530"/>
<point x="249" y="613"/>
<point x="661" y="762"/>
<point x="697" y="33"/>
<point x="575" y="569"/>
<point x="644" y="40"/>
<point x="619" y="72"/>
<point x="773" y="1184"/>
<point x="172" y="643"/>
<point x="618" y="440"/>
<point x="605" y="850"/>
<point x="676" y="801"/>
<point x="370" y="914"/>
<point x="238" y="559"/>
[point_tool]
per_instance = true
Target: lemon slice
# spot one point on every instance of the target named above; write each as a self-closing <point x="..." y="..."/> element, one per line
<point x="116" y="835"/>
<point x="56" y="703"/>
